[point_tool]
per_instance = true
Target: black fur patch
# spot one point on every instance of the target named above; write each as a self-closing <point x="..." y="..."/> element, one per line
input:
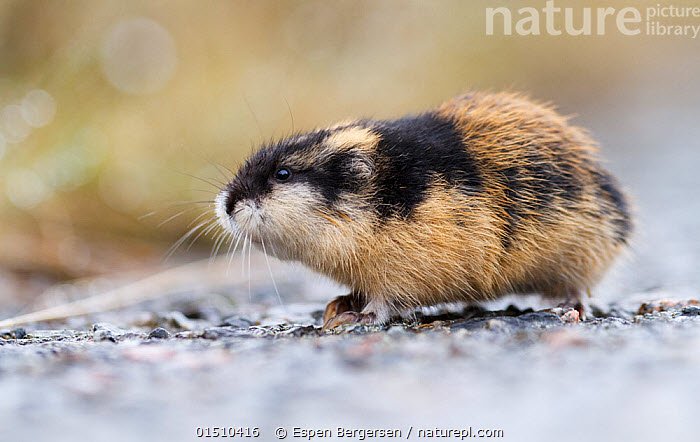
<point x="331" y="177"/>
<point x="413" y="152"/>
<point x="610" y="192"/>
<point x="531" y="188"/>
<point x="253" y="180"/>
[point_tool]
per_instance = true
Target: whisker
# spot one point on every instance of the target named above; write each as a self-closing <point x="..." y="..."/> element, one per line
<point x="228" y="169"/>
<point x="233" y="253"/>
<point x="257" y="122"/>
<point x="216" y="237"/>
<point x="245" y="241"/>
<point x="182" y="239"/>
<point x="209" y="191"/>
<point x="200" y="216"/>
<point x="183" y="203"/>
<point x="230" y="243"/>
<point x="204" y="232"/>
<point x="279" y="298"/>
<point x="214" y="183"/>
<point x="211" y="162"/>
<point x="289" y="108"/>
<point x="250" y="249"/>
<point x="219" y="168"/>
<point x="149" y="214"/>
<point x="178" y="214"/>
<point x="221" y="237"/>
<point x="171" y="205"/>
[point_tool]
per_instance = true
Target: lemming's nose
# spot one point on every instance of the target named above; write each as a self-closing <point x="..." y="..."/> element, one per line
<point x="230" y="203"/>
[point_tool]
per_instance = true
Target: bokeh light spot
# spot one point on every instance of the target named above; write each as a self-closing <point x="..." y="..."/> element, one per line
<point x="138" y="56"/>
<point x="124" y="187"/>
<point x="3" y="146"/>
<point x="38" y="108"/>
<point x="25" y="188"/>
<point x="13" y="125"/>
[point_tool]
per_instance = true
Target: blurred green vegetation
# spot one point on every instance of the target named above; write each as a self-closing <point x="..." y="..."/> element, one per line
<point x="109" y="108"/>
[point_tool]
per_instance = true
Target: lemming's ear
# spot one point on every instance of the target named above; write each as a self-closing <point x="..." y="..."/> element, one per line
<point x="362" y="166"/>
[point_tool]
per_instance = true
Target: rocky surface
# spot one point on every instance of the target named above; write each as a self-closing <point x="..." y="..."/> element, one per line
<point x="629" y="372"/>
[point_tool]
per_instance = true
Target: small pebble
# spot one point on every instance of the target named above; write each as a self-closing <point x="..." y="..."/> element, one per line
<point x="301" y="330"/>
<point x="396" y="330"/>
<point x="691" y="310"/>
<point x="215" y="333"/>
<point x="104" y="326"/>
<point x="495" y="324"/>
<point x="159" y="333"/>
<point x="236" y="321"/>
<point x="103" y="335"/>
<point x="19" y="333"/>
<point x="103" y="331"/>
<point x="179" y="320"/>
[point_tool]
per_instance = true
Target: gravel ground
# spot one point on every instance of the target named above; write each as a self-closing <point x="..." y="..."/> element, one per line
<point x="629" y="372"/>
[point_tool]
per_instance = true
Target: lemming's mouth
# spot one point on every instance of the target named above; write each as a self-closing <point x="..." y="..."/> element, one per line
<point x="245" y="217"/>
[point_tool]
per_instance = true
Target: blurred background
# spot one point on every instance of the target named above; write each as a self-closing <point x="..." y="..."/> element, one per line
<point x="115" y="116"/>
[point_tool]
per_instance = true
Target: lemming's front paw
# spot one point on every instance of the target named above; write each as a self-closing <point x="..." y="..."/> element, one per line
<point x="349" y="317"/>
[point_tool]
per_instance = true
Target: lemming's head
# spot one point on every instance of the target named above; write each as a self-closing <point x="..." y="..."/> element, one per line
<point x="298" y="190"/>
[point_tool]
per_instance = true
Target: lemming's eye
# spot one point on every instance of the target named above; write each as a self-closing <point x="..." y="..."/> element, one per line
<point x="282" y="174"/>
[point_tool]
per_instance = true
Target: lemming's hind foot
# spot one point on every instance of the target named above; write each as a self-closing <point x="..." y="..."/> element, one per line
<point x="352" y="302"/>
<point x="349" y="317"/>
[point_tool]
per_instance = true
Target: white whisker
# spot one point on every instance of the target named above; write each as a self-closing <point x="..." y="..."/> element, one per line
<point x="245" y="242"/>
<point x="230" y="248"/>
<point x="170" y="218"/>
<point x="147" y="215"/>
<point x="204" y="232"/>
<point x="250" y="249"/>
<point x="200" y="216"/>
<point x="164" y="207"/>
<point x="214" y="183"/>
<point x="233" y="253"/>
<point x="279" y="298"/>
<point x="183" y="238"/>
<point x="220" y="238"/>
